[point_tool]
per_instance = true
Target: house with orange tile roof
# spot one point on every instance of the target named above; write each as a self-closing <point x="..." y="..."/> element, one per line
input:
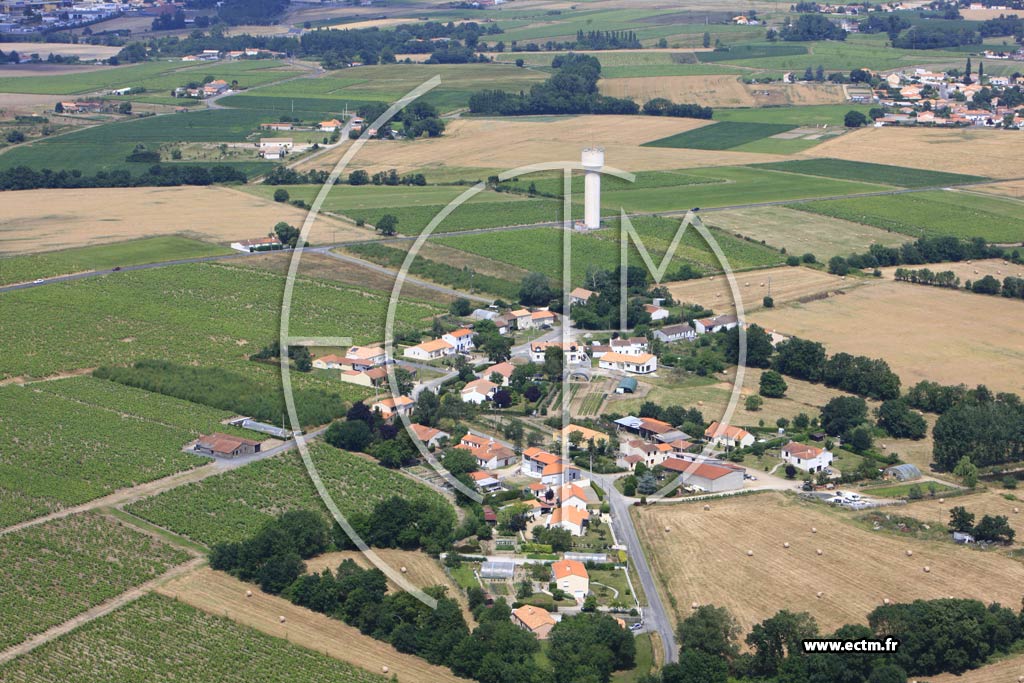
<point x="431" y="438"/>
<point x="641" y="364"/>
<point x="489" y="454"/>
<point x="558" y="473"/>
<point x="478" y="391"/>
<point x="806" y="458"/>
<point x="572" y="577"/>
<point x="535" y="460"/>
<point x="536" y="620"/>
<point x="504" y="369"/>
<point x="572" y="519"/>
<point x="389" y="407"/>
<point x="429" y="350"/>
<point x="460" y="339"/>
<point x="225" y="446"/>
<point x="727" y="436"/>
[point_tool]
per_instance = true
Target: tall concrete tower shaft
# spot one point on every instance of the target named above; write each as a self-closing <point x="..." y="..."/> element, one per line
<point x="593" y="162"/>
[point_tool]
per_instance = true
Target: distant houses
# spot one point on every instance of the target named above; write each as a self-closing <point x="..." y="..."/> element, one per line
<point x="569" y="518"/>
<point x="461" y="340"/>
<point x="431" y="438"/>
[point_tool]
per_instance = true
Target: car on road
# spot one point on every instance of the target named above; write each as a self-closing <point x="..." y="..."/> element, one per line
<point x="38" y="281"/>
<point x="637" y="626"/>
<point x="117" y="268"/>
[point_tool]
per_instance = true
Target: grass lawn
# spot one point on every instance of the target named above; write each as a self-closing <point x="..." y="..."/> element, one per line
<point x="846" y="461"/>
<point x="872" y="173"/>
<point x="614" y="589"/>
<point x="464" y="576"/>
<point x="903" y="490"/>
<point x="644" y="661"/>
<point x="134" y="252"/>
<point x="723" y="135"/>
<point x="936" y="213"/>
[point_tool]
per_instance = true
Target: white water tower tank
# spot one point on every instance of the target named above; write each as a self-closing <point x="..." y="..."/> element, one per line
<point x="593" y="162"/>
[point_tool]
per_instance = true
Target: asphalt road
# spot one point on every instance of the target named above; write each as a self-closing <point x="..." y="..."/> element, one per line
<point x="656" y="617"/>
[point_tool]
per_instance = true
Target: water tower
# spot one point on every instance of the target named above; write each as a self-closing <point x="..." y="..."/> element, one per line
<point x="593" y="162"/>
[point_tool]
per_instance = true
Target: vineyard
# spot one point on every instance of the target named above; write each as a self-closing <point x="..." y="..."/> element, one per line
<point x="469" y="216"/>
<point x="57" y="570"/>
<point x="158" y="639"/>
<point x="233" y="505"/>
<point x="40" y="432"/>
<point x="203" y="313"/>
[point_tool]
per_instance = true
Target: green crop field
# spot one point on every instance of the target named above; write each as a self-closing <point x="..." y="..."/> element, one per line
<point x="551" y="184"/>
<point x="735" y="185"/>
<point x="232" y="506"/>
<point x="811" y="115"/>
<point x="541" y="249"/>
<point x="131" y="253"/>
<point x="754" y="51"/>
<point x="111" y="451"/>
<point x="956" y="214"/>
<point x="724" y="135"/>
<point x="349" y="199"/>
<point x="472" y="215"/>
<point x="57" y="570"/>
<point x="674" y="69"/>
<point x="872" y="173"/>
<point x="159" y="639"/>
<point x="856" y="52"/>
<point x="153" y="76"/>
<point x="197" y="313"/>
<point x="104" y="147"/>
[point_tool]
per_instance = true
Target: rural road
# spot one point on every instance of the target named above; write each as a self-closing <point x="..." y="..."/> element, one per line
<point x="656" y="617"/>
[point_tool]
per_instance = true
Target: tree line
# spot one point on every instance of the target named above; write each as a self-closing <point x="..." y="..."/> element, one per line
<point x="25" y="178"/>
<point x="586" y="647"/>
<point x="572" y="89"/>
<point x="935" y="636"/>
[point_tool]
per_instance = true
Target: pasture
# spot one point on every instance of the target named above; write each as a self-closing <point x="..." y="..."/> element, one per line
<point x="934" y="213"/>
<point x="905" y="315"/>
<point x="203" y="313"/>
<point x="785" y="284"/>
<point x="112" y="450"/>
<point x="234" y="505"/>
<point x="507" y="143"/>
<point x="801" y="232"/>
<point x="45" y="220"/>
<point x="134" y="252"/>
<point x="703" y="559"/>
<point x="57" y="570"/>
<point x="145" y="641"/>
<point x="307" y="632"/>
<point x="988" y="153"/>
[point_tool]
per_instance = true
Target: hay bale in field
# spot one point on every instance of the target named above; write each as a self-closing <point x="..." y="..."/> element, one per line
<point x="248" y="594"/>
<point x="820" y="551"/>
<point x="668" y="529"/>
<point x="694" y="605"/>
<point x="707" y="507"/>
<point x="814" y="529"/>
<point x="385" y="669"/>
<point x="910" y="553"/>
<point x="281" y="619"/>
<point x="942" y="500"/>
<point x="750" y="553"/>
<point x="885" y="601"/>
<point x="927" y="569"/>
<point x="820" y="593"/>
<point x="786" y="544"/>
<point x="403" y="570"/>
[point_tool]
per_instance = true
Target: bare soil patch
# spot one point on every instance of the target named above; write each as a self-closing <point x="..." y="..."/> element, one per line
<point x="988" y="153"/>
<point x="513" y="142"/>
<point x="783" y="283"/>
<point x="43" y="220"/>
<point x="703" y="559"/>
<point x="223" y="595"/>
<point x="923" y="332"/>
<point x="80" y="50"/>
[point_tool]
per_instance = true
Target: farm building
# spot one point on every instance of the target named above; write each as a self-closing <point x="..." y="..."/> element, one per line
<point x="497" y="570"/>
<point x="572" y="577"/>
<point x="674" y="333"/>
<point x="627" y="385"/>
<point x="537" y="620"/>
<point x="275" y="148"/>
<point x="656" y="312"/>
<point x="256" y="426"/>
<point x="806" y="458"/>
<point x="224" y="446"/>
<point x="710" y="478"/>
<point x="905" y="472"/>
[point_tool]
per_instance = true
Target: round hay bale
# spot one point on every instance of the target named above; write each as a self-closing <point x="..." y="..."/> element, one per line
<point x="1020" y="679"/>
<point x="707" y="507"/>
<point x="385" y="668"/>
<point x="820" y="594"/>
<point x="910" y="553"/>
<point x="750" y="553"/>
<point x="281" y="619"/>
<point x="885" y="601"/>
<point x="786" y="544"/>
<point x="700" y="403"/>
<point x="942" y="500"/>
<point x="668" y="529"/>
<point x="694" y="605"/>
<point x="820" y="551"/>
<point x="404" y="570"/>
<point x="1016" y="511"/>
<point x="814" y="529"/>
<point x="248" y="594"/>
<point x="927" y="569"/>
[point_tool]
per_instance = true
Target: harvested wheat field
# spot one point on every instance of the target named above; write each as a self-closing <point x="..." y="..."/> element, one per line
<point x="703" y="559"/>
<point x="509" y="143"/>
<point x="421" y="569"/>
<point x="897" y="321"/>
<point x="83" y="51"/>
<point x="224" y="595"/>
<point x="720" y="91"/>
<point x="987" y="153"/>
<point x="1009" y="188"/>
<point x="800" y="232"/>
<point x="989" y="502"/>
<point x="41" y="220"/>
<point x="972" y="270"/>
<point x="784" y="283"/>
<point x="1007" y="671"/>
